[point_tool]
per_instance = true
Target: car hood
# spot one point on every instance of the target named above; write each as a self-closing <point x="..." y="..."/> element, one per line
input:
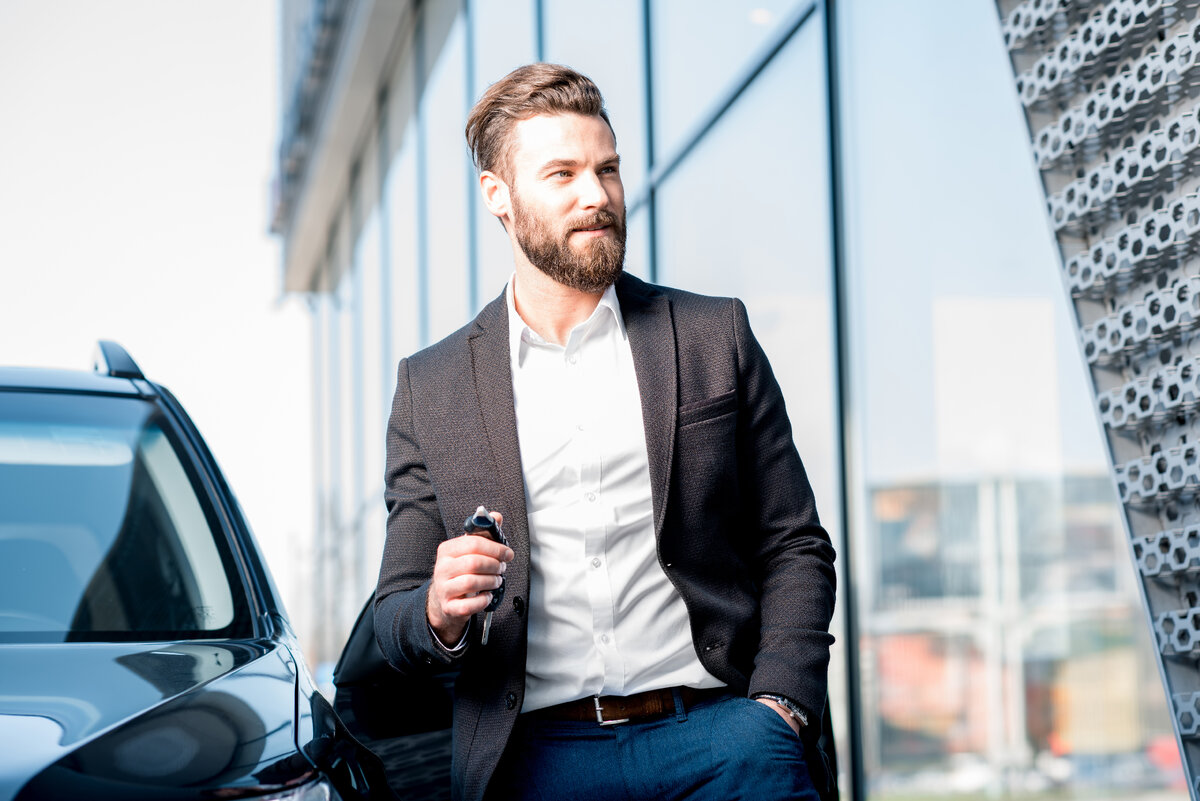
<point x="147" y="720"/>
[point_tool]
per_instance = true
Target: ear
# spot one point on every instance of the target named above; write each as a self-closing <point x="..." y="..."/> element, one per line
<point x="495" y="194"/>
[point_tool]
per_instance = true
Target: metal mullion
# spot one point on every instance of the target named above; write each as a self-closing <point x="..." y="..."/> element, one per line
<point x="651" y="195"/>
<point x="472" y="198"/>
<point x="357" y="370"/>
<point x="320" y="496"/>
<point x="842" y="404"/>
<point x="539" y="29"/>
<point x="422" y="212"/>
<point x="387" y="359"/>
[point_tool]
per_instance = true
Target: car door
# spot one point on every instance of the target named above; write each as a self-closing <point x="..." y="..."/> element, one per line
<point x="404" y="720"/>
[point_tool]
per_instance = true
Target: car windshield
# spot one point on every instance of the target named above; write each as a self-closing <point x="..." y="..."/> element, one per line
<point x="103" y="535"/>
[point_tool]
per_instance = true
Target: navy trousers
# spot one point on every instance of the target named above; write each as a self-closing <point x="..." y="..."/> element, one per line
<point x="720" y="749"/>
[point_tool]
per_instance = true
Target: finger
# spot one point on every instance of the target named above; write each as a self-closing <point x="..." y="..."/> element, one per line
<point x="465" y="607"/>
<point x="459" y="546"/>
<point x="473" y="563"/>
<point x="467" y="586"/>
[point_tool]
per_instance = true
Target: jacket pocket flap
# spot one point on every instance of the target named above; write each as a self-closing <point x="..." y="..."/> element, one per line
<point x="708" y="408"/>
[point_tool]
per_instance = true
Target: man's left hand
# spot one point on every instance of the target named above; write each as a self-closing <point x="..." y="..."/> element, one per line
<point x="783" y="713"/>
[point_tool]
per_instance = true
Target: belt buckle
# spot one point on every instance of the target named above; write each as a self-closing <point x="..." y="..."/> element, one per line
<point x="600" y="714"/>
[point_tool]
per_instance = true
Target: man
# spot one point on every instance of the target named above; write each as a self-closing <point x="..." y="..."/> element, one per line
<point x="668" y="589"/>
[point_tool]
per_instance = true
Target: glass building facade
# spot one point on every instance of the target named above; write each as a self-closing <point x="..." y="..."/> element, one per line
<point x="859" y="174"/>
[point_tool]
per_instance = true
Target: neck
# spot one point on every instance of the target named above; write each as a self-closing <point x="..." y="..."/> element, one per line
<point x="548" y="307"/>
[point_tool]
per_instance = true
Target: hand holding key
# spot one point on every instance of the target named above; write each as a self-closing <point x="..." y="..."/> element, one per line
<point x="467" y="572"/>
<point x="484" y="525"/>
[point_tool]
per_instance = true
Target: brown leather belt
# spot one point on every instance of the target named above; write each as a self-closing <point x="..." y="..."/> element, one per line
<point x="608" y="710"/>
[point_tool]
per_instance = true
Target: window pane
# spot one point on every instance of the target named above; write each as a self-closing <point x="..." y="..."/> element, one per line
<point x="997" y="596"/>
<point x="637" y="244"/>
<point x="400" y="209"/>
<point x="503" y="35"/>
<point x="698" y="54"/>
<point x="760" y="231"/>
<point x="401" y="189"/>
<point x="443" y="109"/>
<point x="574" y="38"/>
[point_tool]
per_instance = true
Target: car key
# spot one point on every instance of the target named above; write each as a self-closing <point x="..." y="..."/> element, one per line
<point x="482" y="524"/>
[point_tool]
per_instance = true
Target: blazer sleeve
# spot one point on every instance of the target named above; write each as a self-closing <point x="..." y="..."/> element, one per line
<point x="792" y="555"/>
<point x="414" y="531"/>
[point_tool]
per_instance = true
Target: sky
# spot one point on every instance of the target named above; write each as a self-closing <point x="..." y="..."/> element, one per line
<point x="136" y="153"/>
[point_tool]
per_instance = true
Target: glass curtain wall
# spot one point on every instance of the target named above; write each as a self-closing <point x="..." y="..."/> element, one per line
<point x="1004" y="650"/>
<point x="1001" y="648"/>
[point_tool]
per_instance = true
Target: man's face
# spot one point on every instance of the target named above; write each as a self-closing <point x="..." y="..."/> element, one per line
<point x="568" y="203"/>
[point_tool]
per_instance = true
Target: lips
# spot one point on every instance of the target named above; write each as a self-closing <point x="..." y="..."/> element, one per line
<point x="601" y="221"/>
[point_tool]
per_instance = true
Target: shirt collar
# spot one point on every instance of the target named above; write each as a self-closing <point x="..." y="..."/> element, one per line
<point x="520" y="333"/>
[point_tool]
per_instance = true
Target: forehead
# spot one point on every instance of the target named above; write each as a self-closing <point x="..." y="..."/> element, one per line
<point x="574" y="137"/>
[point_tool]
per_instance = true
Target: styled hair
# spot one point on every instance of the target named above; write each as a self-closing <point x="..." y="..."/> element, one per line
<point x="526" y="92"/>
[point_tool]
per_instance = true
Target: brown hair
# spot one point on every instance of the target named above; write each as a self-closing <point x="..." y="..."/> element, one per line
<point x="526" y="92"/>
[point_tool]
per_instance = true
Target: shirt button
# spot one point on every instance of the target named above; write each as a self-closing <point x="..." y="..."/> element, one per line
<point x="596" y="562"/>
<point x="604" y="638"/>
<point x="572" y="359"/>
<point x="579" y="427"/>
<point x="591" y="496"/>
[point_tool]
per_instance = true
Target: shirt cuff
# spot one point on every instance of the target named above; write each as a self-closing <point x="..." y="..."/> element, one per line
<point x="457" y="649"/>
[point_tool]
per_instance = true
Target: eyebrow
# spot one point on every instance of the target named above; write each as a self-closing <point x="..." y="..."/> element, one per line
<point x="554" y="164"/>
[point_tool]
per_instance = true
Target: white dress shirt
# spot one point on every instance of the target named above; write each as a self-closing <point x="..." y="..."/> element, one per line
<point x="604" y="619"/>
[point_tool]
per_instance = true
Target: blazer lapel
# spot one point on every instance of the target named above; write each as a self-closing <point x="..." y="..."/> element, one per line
<point x="651" y="329"/>
<point x="494" y="391"/>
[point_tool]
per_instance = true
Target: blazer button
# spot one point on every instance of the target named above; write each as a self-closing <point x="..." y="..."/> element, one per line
<point x="510" y="701"/>
<point x="519" y="605"/>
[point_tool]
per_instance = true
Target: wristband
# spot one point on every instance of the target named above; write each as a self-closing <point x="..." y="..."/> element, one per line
<point x="789" y="706"/>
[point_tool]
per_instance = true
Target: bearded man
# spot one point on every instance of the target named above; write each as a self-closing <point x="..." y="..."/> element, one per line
<point x="668" y="589"/>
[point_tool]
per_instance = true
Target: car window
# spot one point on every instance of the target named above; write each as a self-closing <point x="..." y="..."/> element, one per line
<point x="103" y="534"/>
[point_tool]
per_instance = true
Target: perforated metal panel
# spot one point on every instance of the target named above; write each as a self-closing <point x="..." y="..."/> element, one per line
<point x="1112" y="96"/>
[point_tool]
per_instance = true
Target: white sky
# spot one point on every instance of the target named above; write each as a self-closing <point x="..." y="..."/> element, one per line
<point x="136" y="151"/>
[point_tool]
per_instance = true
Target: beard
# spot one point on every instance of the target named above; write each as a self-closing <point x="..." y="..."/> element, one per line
<point x="592" y="269"/>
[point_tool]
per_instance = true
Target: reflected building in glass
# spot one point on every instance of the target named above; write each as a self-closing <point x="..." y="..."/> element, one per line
<point x="859" y="174"/>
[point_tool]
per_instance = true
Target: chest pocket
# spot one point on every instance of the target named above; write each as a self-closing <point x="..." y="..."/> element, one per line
<point x="708" y="409"/>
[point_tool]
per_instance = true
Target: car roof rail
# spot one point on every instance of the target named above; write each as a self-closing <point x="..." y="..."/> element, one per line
<point x="112" y="359"/>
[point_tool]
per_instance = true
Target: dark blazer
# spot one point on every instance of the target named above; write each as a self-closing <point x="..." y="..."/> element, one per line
<point x="734" y="519"/>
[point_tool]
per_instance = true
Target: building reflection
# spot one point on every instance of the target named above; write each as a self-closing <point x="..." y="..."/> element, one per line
<point x="1005" y="646"/>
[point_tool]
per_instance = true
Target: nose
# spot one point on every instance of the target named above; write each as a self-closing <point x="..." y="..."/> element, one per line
<point x="592" y="194"/>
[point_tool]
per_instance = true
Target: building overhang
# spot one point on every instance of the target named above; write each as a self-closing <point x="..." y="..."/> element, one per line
<point x="323" y="152"/>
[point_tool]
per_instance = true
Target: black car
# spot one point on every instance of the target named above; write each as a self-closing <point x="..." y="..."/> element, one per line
<point x="144" y="652"/>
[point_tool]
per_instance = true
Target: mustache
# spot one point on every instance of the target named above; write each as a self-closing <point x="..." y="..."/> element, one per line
<point x="596" y="219"/>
